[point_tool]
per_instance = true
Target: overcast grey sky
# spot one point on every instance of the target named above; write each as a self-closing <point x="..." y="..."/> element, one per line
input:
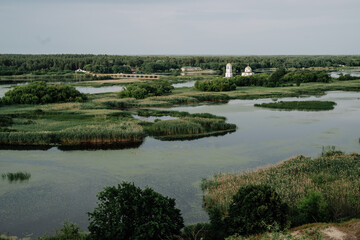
<point x="182" y="27"/>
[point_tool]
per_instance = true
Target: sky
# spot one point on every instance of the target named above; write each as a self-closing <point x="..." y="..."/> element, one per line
<point x="180" y="27"/>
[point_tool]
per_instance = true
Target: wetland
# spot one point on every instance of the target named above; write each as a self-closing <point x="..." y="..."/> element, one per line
<point x="64" y="184"/>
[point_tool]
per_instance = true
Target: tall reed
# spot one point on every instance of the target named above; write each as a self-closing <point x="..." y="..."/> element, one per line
<point x="335" y="175"/>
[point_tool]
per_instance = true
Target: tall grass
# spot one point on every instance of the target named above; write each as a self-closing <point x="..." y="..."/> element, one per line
<point x="190" y="125"/>
<point x="335" y="175"/>
<point x="176" y="126"/>
<point x="102" y="134"/>
<point x="27" y="138"/>
<point x="175" y="99"/>
<point x="206" y="97"/>
<point x="160" y="113"/>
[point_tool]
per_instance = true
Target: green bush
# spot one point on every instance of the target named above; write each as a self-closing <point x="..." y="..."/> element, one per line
<point x="40" y="93"/>
<point x="253" y="208"/>
<point x="148" y="89"/>
<point x="128" y="212"/>
<point x="311" y="208"/>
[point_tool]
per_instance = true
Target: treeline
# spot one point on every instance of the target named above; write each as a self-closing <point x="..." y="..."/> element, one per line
<point x="280" y="78"/>
<point x="15" y="64"/>
<point x="40" y="93"/>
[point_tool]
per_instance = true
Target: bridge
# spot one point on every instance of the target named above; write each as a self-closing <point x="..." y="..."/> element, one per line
<point x="132" y="75"/>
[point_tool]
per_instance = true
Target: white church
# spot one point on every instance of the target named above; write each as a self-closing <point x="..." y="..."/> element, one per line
<point x="248" y="71"/>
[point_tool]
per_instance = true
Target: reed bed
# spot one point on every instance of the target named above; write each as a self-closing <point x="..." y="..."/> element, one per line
<point x="212" y="124"/>
<point x="27" y="138"/>
<point x="300" y="105"/>
<point x="102" y="134"/>
<point x="160" y="113"/>
<point x="190" y="125"/>
<point x="208" y="97"/>
<point x="335" y="175"/>
<point x="176" y="126"/>
<point x="175" y="99"/>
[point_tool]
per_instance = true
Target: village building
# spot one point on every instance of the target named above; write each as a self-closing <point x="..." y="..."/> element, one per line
<point x="248" y="71"/>
<point x="81" y="71"/>
<point x="228" y="72"/>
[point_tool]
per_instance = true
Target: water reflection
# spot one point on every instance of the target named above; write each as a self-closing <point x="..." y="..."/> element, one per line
<point x="352" y="72"/>
<point x="16" y="177"/>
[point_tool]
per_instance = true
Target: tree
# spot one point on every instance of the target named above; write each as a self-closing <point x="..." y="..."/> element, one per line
<point x="276" y="78"/>
<point x="254" y="208"/>
<point x="128" y="212"/>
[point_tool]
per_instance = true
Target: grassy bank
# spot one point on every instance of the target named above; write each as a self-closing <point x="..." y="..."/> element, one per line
<point x="300" y="105"/>
<point x="334" y="176"/>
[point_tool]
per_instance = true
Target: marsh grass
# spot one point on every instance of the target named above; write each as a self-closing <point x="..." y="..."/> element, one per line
<point x="99" y="134"/>
<point x="192" y="127"/>
<point x="335" y="175"/>
<point x="175" y="99"/>
<point x="16" y="177"/>
<point x="300" y="105"/>
<point x="160" y="113"/>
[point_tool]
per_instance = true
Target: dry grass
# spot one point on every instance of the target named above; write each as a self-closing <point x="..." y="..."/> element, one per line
<point x="335" y="175"/>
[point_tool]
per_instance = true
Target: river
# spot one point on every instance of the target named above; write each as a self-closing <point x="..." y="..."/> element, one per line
<point x="64" y="184"/>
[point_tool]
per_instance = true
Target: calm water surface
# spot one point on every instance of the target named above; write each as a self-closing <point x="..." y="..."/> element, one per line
<point x="64" y="184"/>
<point x="91" y="90"/>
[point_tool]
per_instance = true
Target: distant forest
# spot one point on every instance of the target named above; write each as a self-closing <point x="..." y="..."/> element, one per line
<point x="16" y="64"/>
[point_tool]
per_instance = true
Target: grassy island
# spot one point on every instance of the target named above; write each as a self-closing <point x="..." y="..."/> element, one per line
<point x="300" y="105"/>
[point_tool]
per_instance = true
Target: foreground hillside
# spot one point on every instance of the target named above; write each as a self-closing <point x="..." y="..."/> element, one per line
<point x="327" y="231"/>
<point x="322" y="189"/>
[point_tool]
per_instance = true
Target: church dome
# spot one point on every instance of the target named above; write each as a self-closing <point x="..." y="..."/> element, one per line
<point x="248" y="69"/>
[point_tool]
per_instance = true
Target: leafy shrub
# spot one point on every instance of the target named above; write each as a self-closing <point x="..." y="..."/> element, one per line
<point x="148" y="89"/>
<point x="40" y="93"/>
<point x="311" y="208"/>
<point x="253" y="208"/>
<point x="128" y="212"/>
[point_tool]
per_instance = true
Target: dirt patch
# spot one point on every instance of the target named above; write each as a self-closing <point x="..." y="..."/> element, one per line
<point x="332" y="233"/>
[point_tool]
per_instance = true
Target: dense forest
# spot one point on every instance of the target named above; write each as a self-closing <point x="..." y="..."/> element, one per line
<point x="15" y="64"/>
